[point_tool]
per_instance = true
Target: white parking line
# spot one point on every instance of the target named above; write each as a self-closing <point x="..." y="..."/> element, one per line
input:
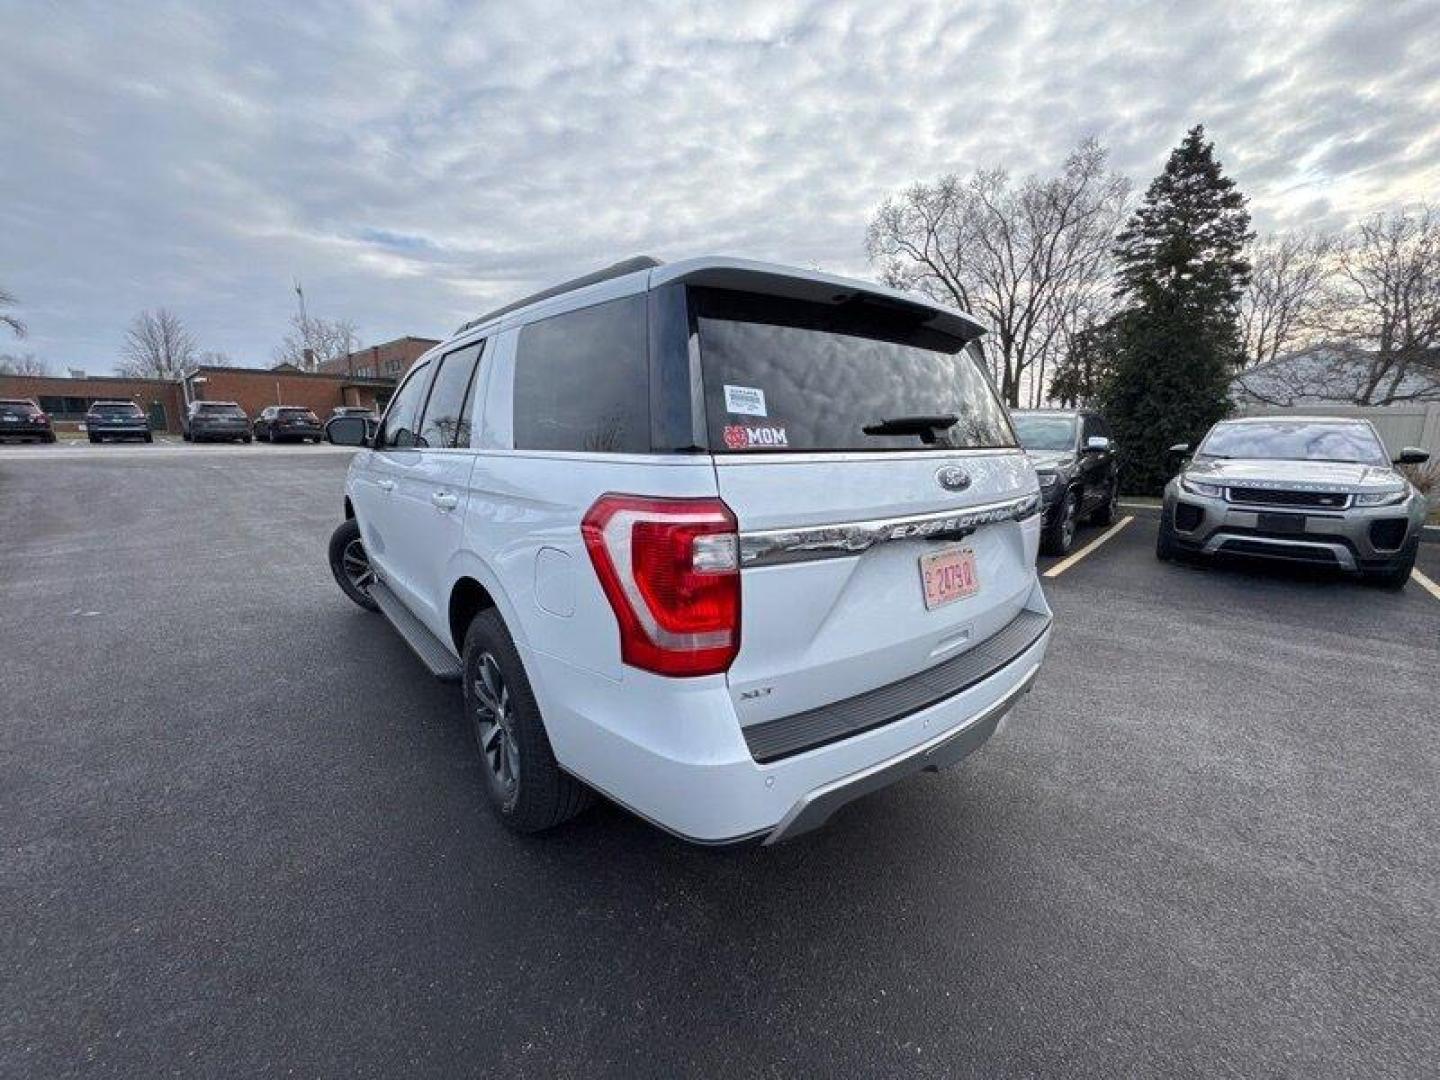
<point x="1065" y="564"/>
<point x="1426" y="584"/>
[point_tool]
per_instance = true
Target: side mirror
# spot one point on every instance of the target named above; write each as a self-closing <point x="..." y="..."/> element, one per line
<point x="349" y="431"/>
<point x="1412" y="455"/>
<point x="1097" y="444"/>
<point x="1180" y="448"/>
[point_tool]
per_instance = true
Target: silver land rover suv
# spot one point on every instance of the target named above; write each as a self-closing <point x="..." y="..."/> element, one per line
<point x="1308" y="489"/>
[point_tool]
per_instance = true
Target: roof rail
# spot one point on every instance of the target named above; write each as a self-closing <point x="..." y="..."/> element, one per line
<point x="614" y="270"/>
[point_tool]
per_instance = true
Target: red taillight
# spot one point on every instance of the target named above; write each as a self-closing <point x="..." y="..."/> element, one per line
<point x="670" y="569"/>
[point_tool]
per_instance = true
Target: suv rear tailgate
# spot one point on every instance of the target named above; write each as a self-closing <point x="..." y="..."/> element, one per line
<point x="821" y="625"/>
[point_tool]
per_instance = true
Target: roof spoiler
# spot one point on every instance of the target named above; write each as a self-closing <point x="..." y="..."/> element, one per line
<point x="614" y="270"/>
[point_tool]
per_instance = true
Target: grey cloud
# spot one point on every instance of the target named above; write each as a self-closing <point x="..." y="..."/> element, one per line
<point x="417" y="162"/>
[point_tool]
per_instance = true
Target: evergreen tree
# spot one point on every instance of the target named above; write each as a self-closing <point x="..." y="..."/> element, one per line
<point x="1179" y="277"/>
<point x="1085" y="367"/>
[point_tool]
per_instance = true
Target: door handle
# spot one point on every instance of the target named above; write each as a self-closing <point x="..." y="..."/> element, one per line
<point x="385" y="485"/>
<point x="445" y="501"/>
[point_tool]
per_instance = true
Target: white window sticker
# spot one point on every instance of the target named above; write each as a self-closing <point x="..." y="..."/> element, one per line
<point x="745" y="400"/>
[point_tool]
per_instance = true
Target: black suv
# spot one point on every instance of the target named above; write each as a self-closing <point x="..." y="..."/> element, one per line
<point x="23" y="419"/>
<point x="216" y="420"/>
<point x="280" y="422"/>
<point x="1071" y="451"/>
<point x="117" y="420"/>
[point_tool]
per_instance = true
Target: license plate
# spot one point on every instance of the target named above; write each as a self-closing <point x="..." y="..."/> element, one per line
<point x="1281" y="523"/>
<point x="11" y="419"/>
<point x="948" y="575"/>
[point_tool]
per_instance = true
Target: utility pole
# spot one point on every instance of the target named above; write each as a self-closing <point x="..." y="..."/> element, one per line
<point x="307" y="353"/>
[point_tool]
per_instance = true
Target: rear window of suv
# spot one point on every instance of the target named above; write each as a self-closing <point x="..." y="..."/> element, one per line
<point x="220" y="410"/>
<point x="794" y="376"/>
<point x="110" y="407"/>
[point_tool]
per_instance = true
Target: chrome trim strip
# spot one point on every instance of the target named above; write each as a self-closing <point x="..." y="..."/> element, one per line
<point x="1217" y="542"/>
<point x="773" y="547"/>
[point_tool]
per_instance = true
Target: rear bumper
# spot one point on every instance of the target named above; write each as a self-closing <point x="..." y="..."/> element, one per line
<point x="99" y="430"/>
<point x="673" y="751"/>
<point x="206" y="432"/>
<point x="24" y="430"/>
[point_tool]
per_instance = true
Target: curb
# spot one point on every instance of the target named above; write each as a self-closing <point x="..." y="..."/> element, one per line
<point x="1429" y="534"/>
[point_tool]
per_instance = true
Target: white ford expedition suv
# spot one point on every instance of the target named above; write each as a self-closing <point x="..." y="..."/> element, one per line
<point x="727" y="542"/>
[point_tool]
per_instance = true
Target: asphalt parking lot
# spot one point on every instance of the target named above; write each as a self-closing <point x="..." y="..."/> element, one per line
<point x="244" y="833"/>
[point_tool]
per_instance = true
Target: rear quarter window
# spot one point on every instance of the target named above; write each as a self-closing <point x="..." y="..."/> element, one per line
<point x="582" y="381"/>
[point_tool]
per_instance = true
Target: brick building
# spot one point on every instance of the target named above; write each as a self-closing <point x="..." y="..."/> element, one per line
<point x="390" y="360"/>
<point x="254" y="389"/>
<point x="67" y="400"/>
<point x="164" y="400"/>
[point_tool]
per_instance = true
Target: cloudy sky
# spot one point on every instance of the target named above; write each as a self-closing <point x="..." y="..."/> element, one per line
<point x="414" y="163"/>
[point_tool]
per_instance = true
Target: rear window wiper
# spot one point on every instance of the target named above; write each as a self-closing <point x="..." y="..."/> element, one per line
<point x="928" y="427"/>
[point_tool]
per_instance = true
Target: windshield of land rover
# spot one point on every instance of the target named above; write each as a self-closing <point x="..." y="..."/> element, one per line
<point x="1291" y="440"/>
<point x="792" y="376"/>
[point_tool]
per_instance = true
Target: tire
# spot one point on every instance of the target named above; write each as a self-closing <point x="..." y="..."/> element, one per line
<point x="94" y="438"/>
<point x="149" y="437"/>
<point x="50" y="438"/>
<point x="538" y="794"/>
<point x="1104" y="514"/>
<point x="1395" y="578"/>
<point x="1165" y="540"/>
<point x="245" y="439"/>
<point x="348" y="575"/>
<point x="1058" y="537"/>
<point x="185" y="436"/>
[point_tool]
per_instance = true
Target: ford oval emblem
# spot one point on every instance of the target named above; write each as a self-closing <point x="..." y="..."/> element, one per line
<point x="953" y="478"/>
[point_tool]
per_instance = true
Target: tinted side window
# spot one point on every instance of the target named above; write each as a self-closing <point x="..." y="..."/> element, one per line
<point x="582" y="381"/>
<point x="447" y="420"/>
<point x="398" y="431"/>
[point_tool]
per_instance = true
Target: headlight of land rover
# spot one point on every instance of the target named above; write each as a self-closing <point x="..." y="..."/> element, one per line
<point x="1048" y="479"/>
<point x="1195" y="487"/>
<point x="1382" y="498"/>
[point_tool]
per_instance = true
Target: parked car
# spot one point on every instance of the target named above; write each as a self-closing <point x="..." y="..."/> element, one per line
<point x="1304" y="489"/>
<point x="117" y="420"/>
<point x="210" y="420"/>
<point x="22" y="419"/>
<point x="279" y="423"/>
<point x="710" y="538"/>
<point x="351" y="410"/>
<point x="1072" y="454"/>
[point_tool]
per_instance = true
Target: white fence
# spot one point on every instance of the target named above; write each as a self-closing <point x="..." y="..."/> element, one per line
<point x="1398" y="425"/>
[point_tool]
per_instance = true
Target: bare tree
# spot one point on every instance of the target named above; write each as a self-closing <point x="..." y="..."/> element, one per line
<point x="1385" y="304"/>
<point x="157" y="346"/>
<point x="1030" y="260"/>
<point x="16" y="326"/>
<point x="214" y="358"/>
<point x="314" y="341"/>
<point x="22" y="364"/>
<point x="1279" y="309"/>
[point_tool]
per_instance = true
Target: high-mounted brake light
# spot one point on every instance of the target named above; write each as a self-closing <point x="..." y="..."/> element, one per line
<point x="671" y="571"/>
